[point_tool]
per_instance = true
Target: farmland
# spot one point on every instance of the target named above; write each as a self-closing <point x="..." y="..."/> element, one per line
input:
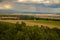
<point x="50" y="24"/>
<point x="50" y="20"/>
<point x="31" y="27"/>
<point x="21" y="31"/>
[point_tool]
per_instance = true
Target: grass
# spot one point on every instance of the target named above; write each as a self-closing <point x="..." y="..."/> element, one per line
<point x="47" y="22"/>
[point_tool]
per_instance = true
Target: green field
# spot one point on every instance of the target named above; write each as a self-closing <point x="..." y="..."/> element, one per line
<point x="46" y="22"/>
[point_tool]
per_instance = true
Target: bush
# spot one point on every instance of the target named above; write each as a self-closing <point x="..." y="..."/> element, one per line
<point x="18" y="31"/>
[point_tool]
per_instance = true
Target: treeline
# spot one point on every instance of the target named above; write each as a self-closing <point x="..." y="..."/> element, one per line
<point x="27" y="17"/>
<point x="47" y="19"/>
<point x="24" y="17"/>
<point x="10" y="31"/>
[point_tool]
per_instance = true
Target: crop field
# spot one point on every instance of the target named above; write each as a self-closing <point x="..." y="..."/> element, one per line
<point x="50" y="24"/>
<point x="47" y="22"/>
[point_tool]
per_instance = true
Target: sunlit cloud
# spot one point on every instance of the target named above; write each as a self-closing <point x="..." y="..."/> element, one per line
<point x="1" y="8"/>
<point x="40" y="1"/>
<point x="56" y="1"/>
<point x="22" y="0"/>
<point x="35" y="5"/>
<point x="5" y="6"/>
<point x="37" y="1"/>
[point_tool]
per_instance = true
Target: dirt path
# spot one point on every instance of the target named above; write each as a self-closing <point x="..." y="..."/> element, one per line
<point x="30" y="23"/>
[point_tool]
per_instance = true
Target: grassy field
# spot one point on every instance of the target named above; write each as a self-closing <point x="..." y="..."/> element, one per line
<point x="50" y="24"/>
<point x="38" y="22"/>
<point x="47" y="22"/>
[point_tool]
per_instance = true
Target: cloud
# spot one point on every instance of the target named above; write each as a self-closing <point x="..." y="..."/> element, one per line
<point x="6" y="6"/>
<point x="6" y="1"/>
<point x="52" y="5"/>
<point x="35" y="1"/>
<point x="33" y="7"/>
<point x="43" y="6"/>
<point x="0" y="0"/>
<point x="40" y="1"/>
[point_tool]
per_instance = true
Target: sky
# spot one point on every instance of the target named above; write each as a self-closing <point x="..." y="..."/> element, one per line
<point x="31" y="5"/>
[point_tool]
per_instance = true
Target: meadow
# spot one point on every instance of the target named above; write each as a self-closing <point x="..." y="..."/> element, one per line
<point x="56" y="23"/>
<point x="48" y="23"/>
<point x="50" y="20"/>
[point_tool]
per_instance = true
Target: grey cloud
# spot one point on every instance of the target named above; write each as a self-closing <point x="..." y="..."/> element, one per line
<point x="53" y="6"/>
<point x="7" y="0"/>
<point x="0" y="0"/>
<point x="38" y="7"/>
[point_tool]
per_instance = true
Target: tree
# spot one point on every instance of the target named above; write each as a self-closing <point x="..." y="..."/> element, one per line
<point x="23" y="23"/>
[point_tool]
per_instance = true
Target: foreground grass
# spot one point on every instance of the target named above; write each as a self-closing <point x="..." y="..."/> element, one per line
<point x="11" y="31"/>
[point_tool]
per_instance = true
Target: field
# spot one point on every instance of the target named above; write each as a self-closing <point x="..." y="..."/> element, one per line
<point x="50" y="24"/>
<point x="30" y="27"/>
<point x="11" y="31"/>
